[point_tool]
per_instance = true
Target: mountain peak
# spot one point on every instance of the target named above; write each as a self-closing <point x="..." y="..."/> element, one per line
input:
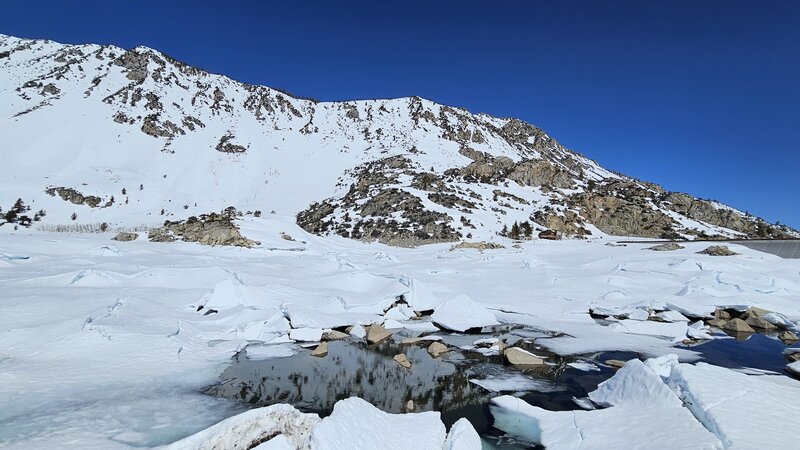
<point x="152" y="138"/>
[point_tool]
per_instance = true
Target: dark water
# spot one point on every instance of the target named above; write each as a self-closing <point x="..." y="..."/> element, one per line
<point x="442" y="384"/>
<point x="756" y="351"/>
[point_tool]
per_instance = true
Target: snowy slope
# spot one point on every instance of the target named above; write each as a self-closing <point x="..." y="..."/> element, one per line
<point x="101" y="120"/>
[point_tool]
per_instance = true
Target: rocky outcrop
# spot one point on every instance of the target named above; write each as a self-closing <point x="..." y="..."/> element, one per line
<point x="477" y="245"/>
<point x="376" y="209"/>
<point x="718" y="250"/>
<point x="210" y="229"/>
<point x="73" y="196"/>
<point x="125" y="236"/>
<point x="667" y="247"/>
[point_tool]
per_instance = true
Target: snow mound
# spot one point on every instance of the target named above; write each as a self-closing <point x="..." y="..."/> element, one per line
<point x="355" y="424"/>
<point x="245" y="430"/>
<point x="643" y="413"/>
<point x="462" y="436"/>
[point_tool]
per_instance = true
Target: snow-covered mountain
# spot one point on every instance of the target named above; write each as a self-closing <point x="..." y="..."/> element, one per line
<point x="98" y="134"/>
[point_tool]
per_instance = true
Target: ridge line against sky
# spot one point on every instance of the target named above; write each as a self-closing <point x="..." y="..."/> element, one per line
<point x="700" y="97"/>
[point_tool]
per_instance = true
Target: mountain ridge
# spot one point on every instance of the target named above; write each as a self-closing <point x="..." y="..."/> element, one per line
<point x="152" y="138"/>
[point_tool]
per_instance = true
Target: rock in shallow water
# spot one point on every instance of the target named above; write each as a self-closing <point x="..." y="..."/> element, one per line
<point x="377" y="333"/>
<point x="739" y="326"/>
<point x="519" y="357"/>
<point x="437" y="349"/>
<point x="321" y="350"/>
<point x="402" y="360"/>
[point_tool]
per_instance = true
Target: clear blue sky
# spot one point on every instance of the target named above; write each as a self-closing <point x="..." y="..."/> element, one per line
<point x="700" y="96"/>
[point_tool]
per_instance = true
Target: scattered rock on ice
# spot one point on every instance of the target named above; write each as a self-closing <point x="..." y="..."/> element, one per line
<point x="437" y="349"/>
<point x="761" y="324"/>
<point x="718" y="250"/>
<point x="321" y="350"/>
<point x="666" y="247"/>
<point x="738" y="325"/>
<point x="125" y="236"/>
<point x="719" y="323"/>
<point x="376" y="333"/>
<point x="401" y="359"/>
<point x="417" y="340"/>
<point x="519" y="357"/>
<point x="788" y="337"/>
<point x="334" y="335"/>
<point x="462" y="313"/>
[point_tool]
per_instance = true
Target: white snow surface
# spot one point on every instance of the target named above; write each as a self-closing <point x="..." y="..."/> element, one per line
<point x="356" y="424"/>
<point x="661" y="403"/>
<point x="95" y="335"/>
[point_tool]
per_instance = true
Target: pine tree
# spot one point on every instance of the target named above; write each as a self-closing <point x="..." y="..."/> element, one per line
<point x="526" y="229"/>
<point x="514" y="231"/>
<point x="504" y="231"/>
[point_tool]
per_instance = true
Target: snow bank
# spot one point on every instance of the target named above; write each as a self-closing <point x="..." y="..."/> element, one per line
<point x="744" y="411"/>
<point x="642" y="413"/>
<point x="357" y="425"/>
<point x="243" y="431"/>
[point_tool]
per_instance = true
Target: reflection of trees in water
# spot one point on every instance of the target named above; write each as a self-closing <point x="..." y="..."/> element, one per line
<point x="355" y="369"/>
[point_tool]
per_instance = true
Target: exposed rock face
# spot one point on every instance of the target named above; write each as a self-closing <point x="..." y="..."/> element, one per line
<point x="125" y="236"/>
<point x="378" y="211"/>
<point x="226" y="145"/>
<point x="549" y="235"/>
<point x="718" y="250"/>
<point x="211" y="229"/>
<point x="419" y="172"/>
<point x="73" y="196"/>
